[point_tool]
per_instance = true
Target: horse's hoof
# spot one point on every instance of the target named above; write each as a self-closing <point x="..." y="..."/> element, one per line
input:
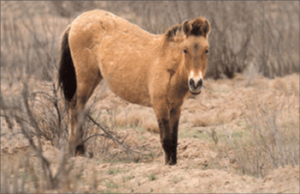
<point x="80" y="150"/>
<point x="171" y="163"/>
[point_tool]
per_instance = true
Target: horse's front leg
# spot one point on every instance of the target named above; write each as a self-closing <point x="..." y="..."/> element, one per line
<point x="174" y="122"/>
<point x="168" y="132"/>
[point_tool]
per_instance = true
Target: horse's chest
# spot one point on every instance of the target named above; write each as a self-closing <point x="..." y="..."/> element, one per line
<point x="176" y="96"/>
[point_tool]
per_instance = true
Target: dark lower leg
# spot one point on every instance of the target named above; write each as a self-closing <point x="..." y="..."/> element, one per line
<point x="174" y="121"/>
<point x="168" y="142"/>
<point x="170" y="150"/>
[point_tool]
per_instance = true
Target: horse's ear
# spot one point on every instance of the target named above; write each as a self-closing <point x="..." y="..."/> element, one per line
<point x="206" y="28"/>
<point x="186" y="26"/>
<point x="200" y="27"/>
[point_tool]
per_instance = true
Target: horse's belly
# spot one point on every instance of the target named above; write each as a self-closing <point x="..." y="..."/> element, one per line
<point x="127" y="81"/>
<point x="130" y="91"/>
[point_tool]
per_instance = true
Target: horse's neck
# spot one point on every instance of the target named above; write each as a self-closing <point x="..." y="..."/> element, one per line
<point x="181" y="77"/>
<point x="176" y="64"/>
<point x="179" y="81"/>
<point x="173" y="60"/>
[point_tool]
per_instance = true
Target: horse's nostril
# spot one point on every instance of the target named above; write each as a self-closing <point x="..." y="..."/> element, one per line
<point x="192" y="83"/>
<point x="199" y="84"/>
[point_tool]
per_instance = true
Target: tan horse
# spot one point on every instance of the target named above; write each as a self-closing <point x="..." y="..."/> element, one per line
<point x="156" y="71"/>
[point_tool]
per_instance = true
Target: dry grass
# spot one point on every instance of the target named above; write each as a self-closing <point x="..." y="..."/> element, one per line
<point x="201" y="121"/>
<point x="150" y="125"/>
<point x="271" y="138"/>
<point x="144" y="118"/>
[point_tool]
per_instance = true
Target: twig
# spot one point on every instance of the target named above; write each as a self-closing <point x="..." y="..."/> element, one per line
<point x="110" y="136"/>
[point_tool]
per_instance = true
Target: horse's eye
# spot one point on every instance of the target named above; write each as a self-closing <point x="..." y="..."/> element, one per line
<point x="206" y="51"/>
<point x="185" y="51"/>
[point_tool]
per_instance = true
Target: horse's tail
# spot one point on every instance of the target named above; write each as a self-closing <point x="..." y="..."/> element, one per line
<point x="66" y="72"/>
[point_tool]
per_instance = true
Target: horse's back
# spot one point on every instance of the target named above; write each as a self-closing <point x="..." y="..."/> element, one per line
<point x="88" y="29"/>
<point x="105" y="24"/>
<point x="123" y="52"/>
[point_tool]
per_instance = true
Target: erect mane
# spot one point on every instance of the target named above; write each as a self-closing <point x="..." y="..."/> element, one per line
<point x="175" y="31"/>
<point x="197" y="27"/>
<point x="200" y="27"/>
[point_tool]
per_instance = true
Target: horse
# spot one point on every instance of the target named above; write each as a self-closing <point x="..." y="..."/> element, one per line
<point x="157" y="71"/>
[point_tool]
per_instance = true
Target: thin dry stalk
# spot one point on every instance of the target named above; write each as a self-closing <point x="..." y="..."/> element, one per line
<point x="270" y="145"/>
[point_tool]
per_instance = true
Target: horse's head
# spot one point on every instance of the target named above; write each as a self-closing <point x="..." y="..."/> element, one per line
<point x="195" y="48"/>
<point x="192" y="39"/>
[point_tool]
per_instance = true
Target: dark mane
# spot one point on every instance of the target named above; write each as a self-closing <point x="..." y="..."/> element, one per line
<point x="174" y="31"/>
<point x="197" y="27"/>
<point x="200" y="27"/>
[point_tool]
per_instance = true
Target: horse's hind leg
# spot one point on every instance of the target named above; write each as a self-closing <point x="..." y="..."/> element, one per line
<point x="77" y="119"/>
<point x="87" y="80"/>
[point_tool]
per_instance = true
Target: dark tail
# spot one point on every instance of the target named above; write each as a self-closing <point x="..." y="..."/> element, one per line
<point x="66" y="72"/>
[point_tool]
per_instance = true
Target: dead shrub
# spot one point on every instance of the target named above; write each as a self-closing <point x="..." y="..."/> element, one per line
<point x="272" y="136"/>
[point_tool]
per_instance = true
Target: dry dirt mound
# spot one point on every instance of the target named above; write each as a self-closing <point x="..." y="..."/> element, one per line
<point x="188" y="176"/>
<point x="221" y="108"/>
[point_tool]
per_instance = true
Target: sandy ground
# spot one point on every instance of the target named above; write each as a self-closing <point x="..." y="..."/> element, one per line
<point x="223" y="107"/>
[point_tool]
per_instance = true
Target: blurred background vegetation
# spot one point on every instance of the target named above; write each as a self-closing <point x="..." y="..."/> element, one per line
<point x="262" y="36"/>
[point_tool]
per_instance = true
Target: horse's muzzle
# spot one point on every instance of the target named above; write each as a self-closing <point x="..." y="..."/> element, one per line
<point x="195" y="87"/>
